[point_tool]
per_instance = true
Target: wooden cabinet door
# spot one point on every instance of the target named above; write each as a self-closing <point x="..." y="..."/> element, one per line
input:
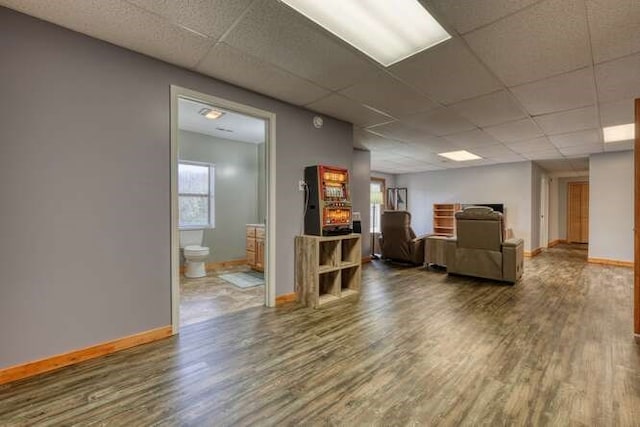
<point x="260" y="254"/>
<point x="578" y="212"/>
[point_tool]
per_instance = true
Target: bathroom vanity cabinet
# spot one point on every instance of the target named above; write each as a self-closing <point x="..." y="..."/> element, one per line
<point x="255" y="246"/>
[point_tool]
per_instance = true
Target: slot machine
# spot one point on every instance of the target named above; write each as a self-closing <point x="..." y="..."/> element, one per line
<point x="328" y="210"/>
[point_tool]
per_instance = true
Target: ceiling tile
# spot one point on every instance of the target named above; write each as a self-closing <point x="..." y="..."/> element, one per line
<point x="492" y="109"/>
<point x="343" y="108"/>
<point x="421" y="152"/>
<point x="617" y="113"/>
<point x="582" y="149"/>
<point x="585" y="137"/>
<point x="442" y="121"/>
<point x="375" y="142"/>
<point x="558" y="93"/>
<point x="390" y="155"/>
<point x="122" y="24"/>
<point x="509" y="158"/>
<point x="472" y="163"/>
<point x="520" y="130"/>
<point x="493" y="151"/>
<point x="568" y="121"/>
<point x="402" y="132"/>
<point x="383" y="92"/>
<point x="275" y="33"/>
<point x="579" y="163"/>
<point x="465" y="15"/>
<point x="447" y="73"/>
<point x="209" y="17"/>
<point x="543" y="155"/>
<point x="614" y="28"/>
<point x="617" y="80"/>
<point x="555" y="165"/>
<point x="239" y="68"/>
<point x="535" y="145"/>
<point x="548" y="38"/>
<point x="471" y="139"/>
<point x="619" y="146"/>
<point x="441" y="146"/>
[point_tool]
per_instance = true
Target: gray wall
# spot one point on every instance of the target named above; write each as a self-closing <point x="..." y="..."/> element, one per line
<point x="505" y="183"/>
<point x="611" y="206"/>
<point x="84" y="181"/>
<point x="236" y="190"/>
<point x="562" y="203"/>
<point x="360" y="190"/>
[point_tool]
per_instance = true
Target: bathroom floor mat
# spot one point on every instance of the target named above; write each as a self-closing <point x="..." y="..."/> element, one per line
<point x="244" y="279"/>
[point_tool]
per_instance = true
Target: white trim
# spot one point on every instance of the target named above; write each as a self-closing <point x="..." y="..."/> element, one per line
<point x="544" y="212"/>
<point x="270" y="158"/>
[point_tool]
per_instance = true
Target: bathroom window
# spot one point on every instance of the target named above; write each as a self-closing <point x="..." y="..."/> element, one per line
<point x="196" y="195"/>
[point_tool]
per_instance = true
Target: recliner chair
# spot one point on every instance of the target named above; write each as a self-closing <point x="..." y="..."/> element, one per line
<point x="480" y="248"/>
<point x="398" y="242"/>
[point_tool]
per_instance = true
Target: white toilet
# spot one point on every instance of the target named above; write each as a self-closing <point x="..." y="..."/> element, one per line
<point x="194" y="254"/>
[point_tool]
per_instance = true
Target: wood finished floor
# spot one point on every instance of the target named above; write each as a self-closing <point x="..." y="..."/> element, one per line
<point x="419" y="348"/>
<point x="209" y="297"/>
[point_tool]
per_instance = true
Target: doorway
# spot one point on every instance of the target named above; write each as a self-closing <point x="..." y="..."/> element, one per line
<point x="376" y="205"/>
<point x="578" y="212"/>
<point x="204" y="210"/>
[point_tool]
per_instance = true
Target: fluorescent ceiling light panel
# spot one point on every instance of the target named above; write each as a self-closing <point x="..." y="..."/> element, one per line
<point x="386" y="30"/>
<point x="619" y="133"/>
<point x="460" y="156"/>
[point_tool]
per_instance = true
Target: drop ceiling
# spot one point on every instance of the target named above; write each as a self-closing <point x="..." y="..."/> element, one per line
<point x="519" y="80"/>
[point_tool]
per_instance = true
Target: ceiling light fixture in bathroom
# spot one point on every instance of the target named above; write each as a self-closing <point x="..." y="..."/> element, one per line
<point x="210" y="113"/>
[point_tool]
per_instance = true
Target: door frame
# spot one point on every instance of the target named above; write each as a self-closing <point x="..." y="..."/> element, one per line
<point x="270" y="171"/>
<point x="544" y="212"/>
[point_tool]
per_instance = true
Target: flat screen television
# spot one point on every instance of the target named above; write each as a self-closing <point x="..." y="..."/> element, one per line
<point x="498" y="207"/>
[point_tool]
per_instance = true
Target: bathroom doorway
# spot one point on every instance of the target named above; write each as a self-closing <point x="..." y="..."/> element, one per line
<point x="222" y="157"/>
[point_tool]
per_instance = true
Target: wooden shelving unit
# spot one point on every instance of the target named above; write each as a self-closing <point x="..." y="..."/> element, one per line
<point x="328" y="268"/>
<point x="444" y="221"/>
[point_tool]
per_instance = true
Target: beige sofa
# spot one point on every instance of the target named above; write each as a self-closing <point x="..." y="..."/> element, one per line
<point x="480" y="248"/>
<point x="398" y="242"/>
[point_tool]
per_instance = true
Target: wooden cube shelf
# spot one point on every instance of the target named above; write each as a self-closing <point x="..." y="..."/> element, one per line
<point x="328" y="268"/>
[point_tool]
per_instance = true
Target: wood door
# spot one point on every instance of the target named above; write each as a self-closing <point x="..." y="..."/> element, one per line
<point x="578" y="212"/>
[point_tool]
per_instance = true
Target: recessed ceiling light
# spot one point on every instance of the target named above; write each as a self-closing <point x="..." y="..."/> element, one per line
<point x="210" y="113"/>
<point x="460" y="156"/>
<point x="619" y="133"/>
<point x="387" y="31"/>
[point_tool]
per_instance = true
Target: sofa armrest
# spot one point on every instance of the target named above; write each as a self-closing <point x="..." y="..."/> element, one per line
<point x="512" y="259"/>
<point x="512" y="243"/>
<point x="450" y="246"/>
<point x="418" y="238"/>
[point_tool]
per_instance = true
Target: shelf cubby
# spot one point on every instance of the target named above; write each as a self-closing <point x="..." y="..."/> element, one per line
<point x="350" y="279"/>
<point x="444" y="223"/>
<point x="328" y="254"/>
<point x="350" y="252"/>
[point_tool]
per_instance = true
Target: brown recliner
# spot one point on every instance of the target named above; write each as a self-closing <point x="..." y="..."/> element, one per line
<point x="398" y="242"/>
<point x="480" y="248"/>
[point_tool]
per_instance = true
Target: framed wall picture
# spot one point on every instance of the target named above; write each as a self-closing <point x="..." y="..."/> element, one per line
<point x="397" y="199"/>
